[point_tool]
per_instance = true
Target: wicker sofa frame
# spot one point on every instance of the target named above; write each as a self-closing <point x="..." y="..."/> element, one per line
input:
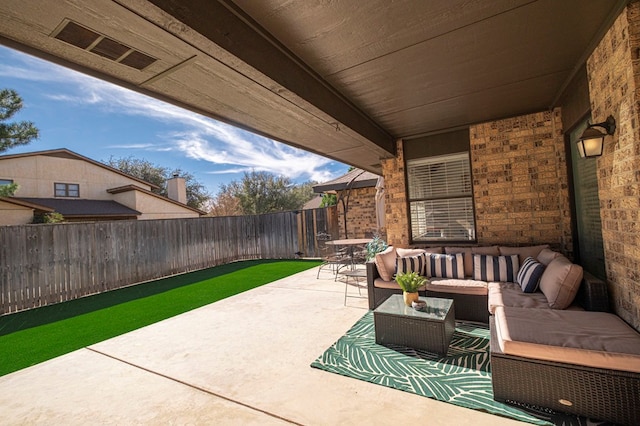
<point x="543" y="386"/>
<point x="549" y="387"/>
<point x="468" y="307"/>
<point x="592" y="296"/>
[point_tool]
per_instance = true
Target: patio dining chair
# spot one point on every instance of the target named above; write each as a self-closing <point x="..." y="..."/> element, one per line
<point x="333" y="258"/>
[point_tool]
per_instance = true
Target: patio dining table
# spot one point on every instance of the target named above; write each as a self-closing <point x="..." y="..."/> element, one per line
<point x="350" y="244"/>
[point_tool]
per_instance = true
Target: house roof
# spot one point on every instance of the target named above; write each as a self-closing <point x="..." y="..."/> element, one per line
<point x="82" y="208"/>
<point x="313" y="203"/>
<point x="128" y="188"/>
<point x="66" y="153"/>
<point x="356" y="178"/>
<point x="27" y="204"/>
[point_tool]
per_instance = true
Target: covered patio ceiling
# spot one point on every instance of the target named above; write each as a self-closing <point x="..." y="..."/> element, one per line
<point x="341" y="78"/>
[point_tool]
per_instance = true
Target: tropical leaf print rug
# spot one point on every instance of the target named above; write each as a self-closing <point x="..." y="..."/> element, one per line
<point x="462" y="377"/>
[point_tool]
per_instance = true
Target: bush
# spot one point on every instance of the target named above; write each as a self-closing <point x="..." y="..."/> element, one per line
<point x="53" y="217"/>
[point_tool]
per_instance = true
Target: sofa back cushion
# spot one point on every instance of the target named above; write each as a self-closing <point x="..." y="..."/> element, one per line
<point x="495" y="268"/>
<point x="404" y="252"/>
<point x="560" y="282"/>
<point x="468" y="255"/>
<point x="529" y="275"/>
<point x="386" y="263"/>
<point x="407" y="264"/>
<point x="445" y="265"/>
<point x="523" y="252"/>
<point x="547" y="255"/>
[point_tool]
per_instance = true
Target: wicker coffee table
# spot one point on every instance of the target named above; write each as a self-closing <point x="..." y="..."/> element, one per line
<point x="429" y="330"/>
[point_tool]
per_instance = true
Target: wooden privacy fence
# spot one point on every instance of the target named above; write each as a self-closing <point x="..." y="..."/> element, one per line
<point x="45" y="264"/>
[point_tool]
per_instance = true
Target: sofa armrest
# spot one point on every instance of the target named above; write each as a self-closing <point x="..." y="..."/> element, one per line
<point x="593" y="294"/>
<point x="372" y="274"/>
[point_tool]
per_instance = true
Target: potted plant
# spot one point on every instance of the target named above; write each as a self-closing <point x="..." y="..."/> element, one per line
<point x="410" y="283"/>
<point x="376" y="245"/>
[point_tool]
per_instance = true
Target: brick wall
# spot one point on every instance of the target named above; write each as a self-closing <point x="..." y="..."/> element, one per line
<point x="612" y="71"/>
<point x="520" y="172"/>
<point x="361" y="213"/>
<point x="396" y="214"/>
<point x="520" y="181"/>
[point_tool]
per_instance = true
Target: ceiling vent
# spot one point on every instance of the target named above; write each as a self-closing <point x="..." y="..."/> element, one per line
<point x="89" y="40"/>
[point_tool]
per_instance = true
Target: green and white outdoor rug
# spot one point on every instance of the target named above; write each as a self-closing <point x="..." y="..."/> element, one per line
<point x="462" y="378"/>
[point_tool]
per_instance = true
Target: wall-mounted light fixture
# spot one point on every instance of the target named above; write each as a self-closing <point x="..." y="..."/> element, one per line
<point x="592" y="140"/>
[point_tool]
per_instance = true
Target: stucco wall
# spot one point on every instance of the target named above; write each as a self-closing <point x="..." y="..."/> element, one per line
<point x="612" y="71"/>
<point x="36" y="175"/>
<point x="10" y="214"/>
<point x="152" y="207"/>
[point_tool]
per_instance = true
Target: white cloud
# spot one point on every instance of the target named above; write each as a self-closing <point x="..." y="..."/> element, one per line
<point x="196" y="136"/>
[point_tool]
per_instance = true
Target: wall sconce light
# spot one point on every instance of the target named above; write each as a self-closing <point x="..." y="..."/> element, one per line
<point x="592" y="140"/>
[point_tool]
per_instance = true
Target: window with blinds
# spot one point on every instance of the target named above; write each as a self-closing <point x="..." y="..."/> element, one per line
<point x="440" y="198"/>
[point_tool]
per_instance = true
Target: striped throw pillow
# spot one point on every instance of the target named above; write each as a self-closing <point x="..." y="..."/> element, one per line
<point x="445" y="265"/>
<point x="529" y="275"/>
<point x="407" y="264"/>
<point x="495" y="268"/>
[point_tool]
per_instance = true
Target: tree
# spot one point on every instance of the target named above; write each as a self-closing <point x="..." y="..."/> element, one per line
<point x="225" y="204"/>
<point x="328" y="200"/>
<point x="262" y="192"/>
<point x="197" y="194"/>
<point x="8" y="190"/>
<point x="17" y="133"/>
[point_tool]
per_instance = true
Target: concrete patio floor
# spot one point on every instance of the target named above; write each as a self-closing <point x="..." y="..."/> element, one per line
<point x="243" y="360"/>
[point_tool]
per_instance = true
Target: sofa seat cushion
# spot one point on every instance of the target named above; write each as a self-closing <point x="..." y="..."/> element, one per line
<point x="392" y="284"/>
<point x="458" y="286"/>
<point x="510" y="294"/>
<point x="592" y="339"/>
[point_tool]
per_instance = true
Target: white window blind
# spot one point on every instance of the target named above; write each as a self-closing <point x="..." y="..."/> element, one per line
<point x="440" y="198"/>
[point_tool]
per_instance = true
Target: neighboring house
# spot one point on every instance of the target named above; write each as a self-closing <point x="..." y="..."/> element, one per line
<point x="82" y="189"/>
<point x="313" y="203"/>
<point x="360" y="203"/>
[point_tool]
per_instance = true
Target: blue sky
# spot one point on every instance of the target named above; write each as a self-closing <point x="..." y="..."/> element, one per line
<point x="99" y="120"/>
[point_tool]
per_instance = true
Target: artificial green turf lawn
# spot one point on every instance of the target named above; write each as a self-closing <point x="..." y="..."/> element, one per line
<point x="34" y="336"/>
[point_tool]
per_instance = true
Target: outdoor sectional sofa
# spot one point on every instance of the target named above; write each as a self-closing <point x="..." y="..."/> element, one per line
<point x="554" y="347"/>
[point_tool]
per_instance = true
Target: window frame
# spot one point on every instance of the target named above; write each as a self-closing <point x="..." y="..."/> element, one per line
<point x="454" y="196"/>
<point x="67" y="188"/>
<point x="6" y="181"/>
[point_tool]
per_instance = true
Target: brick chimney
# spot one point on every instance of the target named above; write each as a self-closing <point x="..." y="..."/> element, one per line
<point x="177" y="189"/>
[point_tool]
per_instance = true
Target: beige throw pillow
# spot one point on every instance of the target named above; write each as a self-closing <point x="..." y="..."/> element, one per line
<point x="386" y="263"/>
<point x="560" y="282"/>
